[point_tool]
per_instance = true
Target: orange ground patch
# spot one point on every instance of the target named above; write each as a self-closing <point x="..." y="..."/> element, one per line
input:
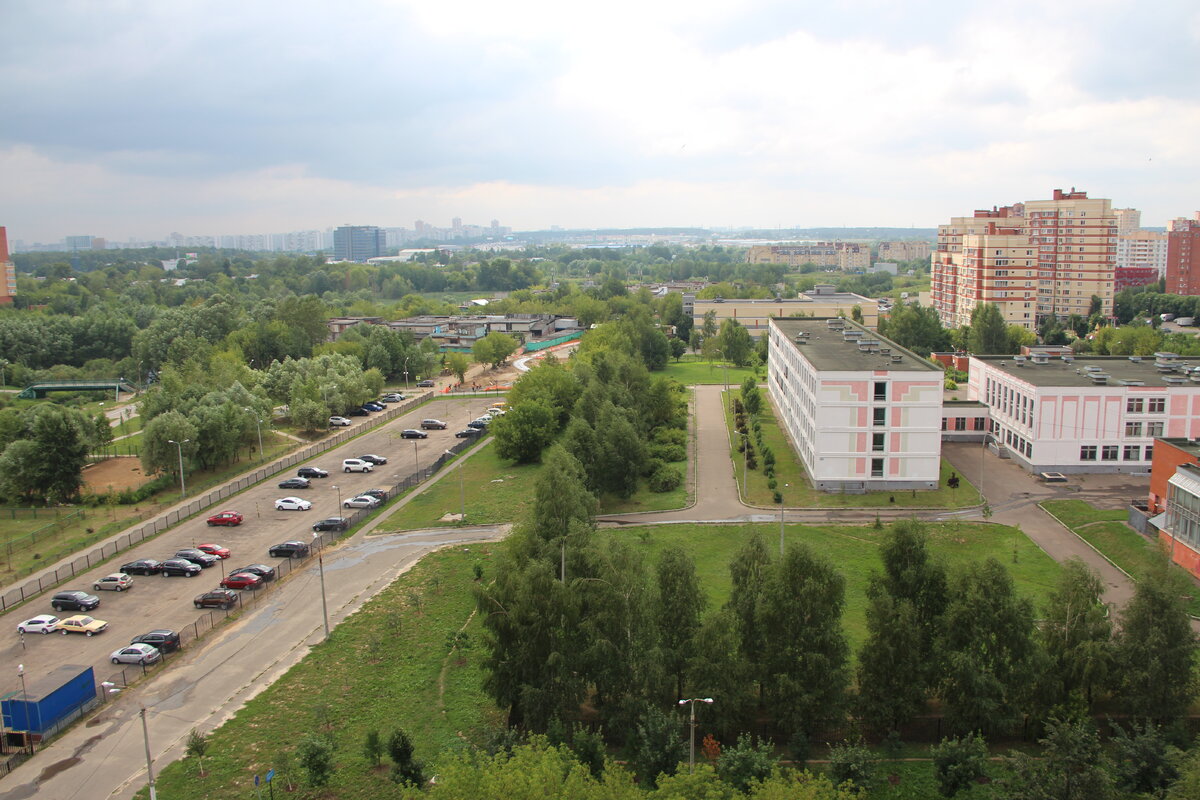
<point x="114" y="474"/>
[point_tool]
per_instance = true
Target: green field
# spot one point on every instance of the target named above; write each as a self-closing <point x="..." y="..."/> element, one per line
<point x="692" y="371"/>
<point x="793" y="484"/>
<point x="383" y="669"/>
<point x="1105" y="530"/>
<point x="497" y="491"/>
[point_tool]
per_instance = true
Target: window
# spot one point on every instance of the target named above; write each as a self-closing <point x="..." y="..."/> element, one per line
<point x="960" y="423"/>
<point x="1154" y="429"/>
<point x="1150" y="452"/>
<point x="1109" y="453"/>
<point x="1156" y="405"/>
<point x="1134" y="405"/>
<point x="876" y="467"/>
<point x="1133" y="453"/>
<point x="979" y="421"/>
<point x="1087" y="452"/>
<point x="880" y="390"/>
<point x="1133" y="429"/>
<point x="877" y="442"/>
<point x="880" y="416"/>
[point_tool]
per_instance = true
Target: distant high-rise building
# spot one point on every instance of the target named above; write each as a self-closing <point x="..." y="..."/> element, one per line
<point x="1183" y="256"/>
<point x="358" y="242"/>
<point x="905" y="250"/>
<point x="1033" y="260"/>
<point x="1140" y="250"/>
<point x="79" y="242"/>
<point x="1128" y="220"/>
<point x="8" y="272"/>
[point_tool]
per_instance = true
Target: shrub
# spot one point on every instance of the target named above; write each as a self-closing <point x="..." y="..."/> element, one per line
<point x="957" y="763"/>
<point x="853" y="763"/>
<point x="651" y="466"/>
<point x="665" y="479"/>
<point x="768" y="456"/>
<point x="751" y="461"/>
<point x="769" y="470"/>
<point x="778" y="497"/>
<point x="668" y="452"/>
<point x="738" y="408"/>
<point x="670" y="436"/>
<point x="771" y="483"/>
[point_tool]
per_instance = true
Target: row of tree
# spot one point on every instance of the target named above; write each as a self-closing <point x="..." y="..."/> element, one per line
<point x="43" y="450"/>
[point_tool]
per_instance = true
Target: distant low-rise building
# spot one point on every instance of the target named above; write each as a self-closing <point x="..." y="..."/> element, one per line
<point x="839" y="255"/>
<point x="906" y="250"/>
<point x="822" y="301"/>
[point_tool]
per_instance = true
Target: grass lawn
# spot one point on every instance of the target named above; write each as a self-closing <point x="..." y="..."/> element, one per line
<point x="854" y="552"/>
<point x="383" y="669"/>
<point x="799" y="493"/>
<point x="499" y="491"/>
<point x="1105" y="530"/>
<point x="691" y="371"/>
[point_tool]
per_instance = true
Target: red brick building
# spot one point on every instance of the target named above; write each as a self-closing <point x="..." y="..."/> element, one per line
<point x="1183" y="257"/>
<point x="8" y="272"/>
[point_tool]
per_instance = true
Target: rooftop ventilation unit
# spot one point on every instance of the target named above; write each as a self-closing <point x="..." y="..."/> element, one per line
<point x="1194" y="377"/>
<point x="1019" y="360"/>
<point x="1099" y="378"/>
<point x="1133" y="383"/>
<point x="1164" y="355"/>
<point x="1093" y="368"/>
<point x="837" y="323"/>
<point x="1136" y="359"/>
<point x="1173" y="380"/>
<point x="885" y="350"/>
<point x="897" y="359"/>
<point x="1040" y="358"/>
<point x="1068" y="359"/>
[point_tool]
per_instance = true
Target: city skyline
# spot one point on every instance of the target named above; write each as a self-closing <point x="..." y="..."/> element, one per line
<point x="131" y="121"/>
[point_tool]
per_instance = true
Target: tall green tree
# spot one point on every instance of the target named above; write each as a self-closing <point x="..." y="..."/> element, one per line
<point x="717" y="669"/>
<point x="736" y="343"/>
<point x="679" y="603"/>
<point x="1076" y="636"/>
<point x="915" y="327"/>
<point x="1070" y="766"/>
<point x="910" y="574"/>
<point x="458" y="363"/>
<point x="989" y="333"/>
<point x="494" y="348"/>
<point x="524" y="432"/>
<point x="891" y="672"/>
<point x="749" y="570"/>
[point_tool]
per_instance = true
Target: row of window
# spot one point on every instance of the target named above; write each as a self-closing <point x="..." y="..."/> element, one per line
<point x="1148" y="405"/>
<point x="1152" y="429"/>
<point x="1111" y="452"/>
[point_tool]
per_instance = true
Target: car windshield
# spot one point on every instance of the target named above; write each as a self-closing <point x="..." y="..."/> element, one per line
<point x="84" y="621"/>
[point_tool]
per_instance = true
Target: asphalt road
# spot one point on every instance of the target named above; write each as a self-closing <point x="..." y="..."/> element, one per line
<point x="157" y="602"/>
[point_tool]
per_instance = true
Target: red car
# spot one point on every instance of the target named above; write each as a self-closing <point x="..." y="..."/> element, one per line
<point x="226" y="518"/>
<point x="214" y="550"/>
<point x="242" y="580"/>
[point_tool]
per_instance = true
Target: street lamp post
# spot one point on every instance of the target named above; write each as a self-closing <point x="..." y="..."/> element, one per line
<point x="746" y="466"/>
<point x="339" y="491"/>
<point x="258" y="426"/>
<point x="179" y="447"/>
<point x="692" y="737"/>
<point x="416" y="459"/>
<point x="149" y="763"/>
<point x="321" y="565"/>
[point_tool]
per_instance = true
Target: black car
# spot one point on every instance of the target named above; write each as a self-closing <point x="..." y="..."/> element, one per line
<point x="378" y="494"/>
<point x="478" y="424"/>
<point x="165" y="640"/>
<point x="332" y="524"/>
<point x="425" y="384"/>
<point x="74" y="601"/>
<point x="295" y="483"/>
<point x="357" y="412"/>
<point x="143" y="566"/>
<point x="288" y="550"/>
<point x="217" y="598"/>
<point x="467" y="433"/>
<point x="179" y="566"/>
<point x="371" y="458"/>
<point x="312" y="472"/>
<point x="412" y="433"/>
<point x="261" y="570"/>
<point x="197" y="557"/>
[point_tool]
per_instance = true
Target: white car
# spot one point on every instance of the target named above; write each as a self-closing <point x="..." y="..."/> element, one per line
<point x="42" y="623"/>
<point x="136" y="654"/>
<point x="363" y="501"/>
<point x="340" y="422"/>
<point x="292" y="504"/>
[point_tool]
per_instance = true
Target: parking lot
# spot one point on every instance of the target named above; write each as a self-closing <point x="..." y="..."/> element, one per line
<point x="154" y="602"/>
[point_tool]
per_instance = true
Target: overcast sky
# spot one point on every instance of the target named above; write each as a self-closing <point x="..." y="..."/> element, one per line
<point x="136" y="119"/>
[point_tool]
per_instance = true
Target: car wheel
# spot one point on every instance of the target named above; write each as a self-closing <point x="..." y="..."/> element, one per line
<point x="165" y="574"/>
<point x="347" y="469"/>
<point x="199" y="605"/>
<point x="119" y="588"/>
<point x="64" y="633"/>
<point x="192" y="574"/>
<point x="95" y="587"/>
<point x="44" y="631"/>
<point x="87" y="633"/>
<point x="56" y="606"/>
<point x="116" y="661"/>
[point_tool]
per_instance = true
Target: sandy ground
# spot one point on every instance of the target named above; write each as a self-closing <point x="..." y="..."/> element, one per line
<point x="115" y="474"/>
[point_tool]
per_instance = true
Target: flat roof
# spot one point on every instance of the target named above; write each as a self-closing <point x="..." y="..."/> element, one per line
<point x="1056" y="372"/>
<point x="806" y="299"/>
<point x="1186" y="445"/>
<point x="829" y="350"/>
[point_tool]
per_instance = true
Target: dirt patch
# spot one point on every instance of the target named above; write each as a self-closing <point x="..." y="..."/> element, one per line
<point x="114" y="474"/>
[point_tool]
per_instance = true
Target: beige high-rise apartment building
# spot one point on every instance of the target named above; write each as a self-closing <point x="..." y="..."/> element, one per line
<point x="1142" y="250"/>
<point x="1032" y="260"/>
<point x="1128" y="220"/>
<point x="8" y="273"/>
<point x="904" y="250"/>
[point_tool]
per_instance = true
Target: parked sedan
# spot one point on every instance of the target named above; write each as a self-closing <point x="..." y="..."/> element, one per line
<point x="217" y="598"/>
<point x="372" y="406"/>
<point x="42" y="623"/>
<point x="242" y="580"/>
<point x="117" y="582"/>
<point x="143" y="566"/>
<point x="425" y="384"/>
<point x="80" y="623"/>
<point x="362" y="501"/>
<point x="331" y="524"/>
<point x="215" y="550"/>
<point x="378" y="494"/>
<point x="288" y="550"/>
<point x="261" y="570"/>
<point x="358" y="412"/>
<point x="74" y="601"/>
<point x="164" y="640"/>
<point x="292" y="504"/>
<point x="340" y="422"/>
<point x="294" y="483"/>
<point x="225" y="518"/>
<point x="312" y="472"/>
<point x="468" y="433"/>
<point x="392" y="398"/>
<point x="197" y="557"/>
<point x="432" y="425"/>
<point x="136" y="654"/>
<point x="478" y="424"/>
<point x="179" y="566"/>
<point x="411" y="433"/>
<point x="373" y="459"/>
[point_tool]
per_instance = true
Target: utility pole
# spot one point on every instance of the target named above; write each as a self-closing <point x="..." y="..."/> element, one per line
<point x="149" y="761"/>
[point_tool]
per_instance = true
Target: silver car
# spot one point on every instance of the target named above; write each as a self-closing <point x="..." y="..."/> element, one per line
<point x="136" y="654"/>
<point x="363" y="501"/>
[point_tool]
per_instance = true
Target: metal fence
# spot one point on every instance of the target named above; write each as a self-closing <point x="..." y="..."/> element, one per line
<point x="49" y="530"/>
<point x="85" y="561"/>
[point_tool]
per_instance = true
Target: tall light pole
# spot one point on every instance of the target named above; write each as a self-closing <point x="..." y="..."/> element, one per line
<point x="781" y="519"/>
<point x="258" y="425"/>
<point x="692" y="738"/>
<point x="149" y="763"/>
<point x="416" y="459"/>
<point x="321" y="565"/>
<point x="339" y="491"/>
<point x="462" y="492"/>
<point x="179" y="447"/>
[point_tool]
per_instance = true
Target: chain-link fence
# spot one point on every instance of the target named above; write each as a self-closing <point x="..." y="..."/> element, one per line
<point x="85" y="561"/>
